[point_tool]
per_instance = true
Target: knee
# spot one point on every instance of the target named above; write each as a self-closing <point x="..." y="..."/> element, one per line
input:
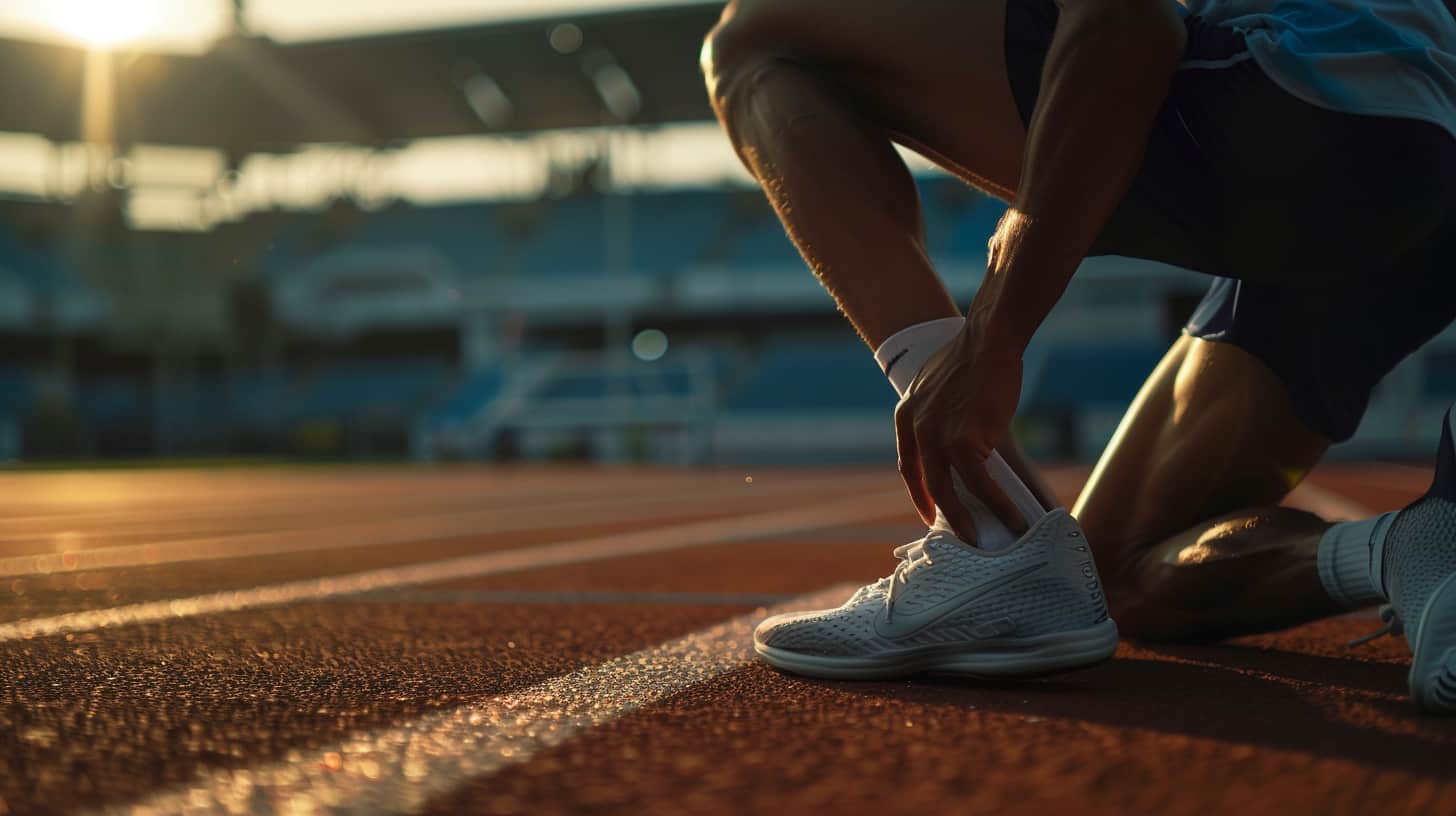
<point x="737" y="52"/>
<point x="1158" y="598"/>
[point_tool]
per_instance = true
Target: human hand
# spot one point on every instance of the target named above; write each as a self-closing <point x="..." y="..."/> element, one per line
<point x="951" y="419"/>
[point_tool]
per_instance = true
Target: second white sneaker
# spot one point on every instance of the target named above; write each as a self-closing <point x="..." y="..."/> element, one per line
<point x="1034" y="608"/>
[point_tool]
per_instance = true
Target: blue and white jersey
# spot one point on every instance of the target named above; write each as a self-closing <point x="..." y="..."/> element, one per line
<point x="1370" y="57"/>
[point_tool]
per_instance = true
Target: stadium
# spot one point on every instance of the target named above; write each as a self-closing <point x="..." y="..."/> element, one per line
<point x="414" y="410"/>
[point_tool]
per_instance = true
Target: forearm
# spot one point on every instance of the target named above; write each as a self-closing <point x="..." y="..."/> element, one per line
<point x="1106" y="75"/>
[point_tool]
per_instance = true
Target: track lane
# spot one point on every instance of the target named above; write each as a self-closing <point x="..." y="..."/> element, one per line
<point x="774" y="564"/>
<point x="398" y="770"/>
<point x="106" y="718"/>
<point x="142" y="573"/>
<point x="81" y="590"/>
<point x="1143" y="734"/>
<point x="74" y="581"/>
<point x="1283" y="723"/>
<point x="308" y="626"/>
<point x="1363" y="748"/>
<point x="403" y="527"/>
<point x="571" y="552"/>
<point x="1377" y="487"/>
<point x="87" y="537"/>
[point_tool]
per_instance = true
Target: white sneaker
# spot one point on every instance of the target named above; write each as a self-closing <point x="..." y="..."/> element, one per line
<point x="1034" y="608"/>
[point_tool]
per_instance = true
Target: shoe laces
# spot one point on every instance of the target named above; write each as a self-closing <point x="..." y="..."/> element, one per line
<point x="913" y="556"/>
<point x="1393" y="626"/>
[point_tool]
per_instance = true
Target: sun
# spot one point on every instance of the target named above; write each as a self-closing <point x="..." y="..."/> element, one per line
<point x="104" y="23"/>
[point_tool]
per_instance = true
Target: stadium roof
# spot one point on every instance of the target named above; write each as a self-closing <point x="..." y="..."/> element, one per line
<point x="250" y="94"/>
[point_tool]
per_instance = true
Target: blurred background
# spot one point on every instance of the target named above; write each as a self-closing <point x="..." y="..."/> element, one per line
<point x="441" y="230"/>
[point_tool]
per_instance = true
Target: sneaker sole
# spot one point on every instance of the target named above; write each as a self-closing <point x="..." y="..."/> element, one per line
<point x="1433" y="667"/>
<point x="1007" y="657"/>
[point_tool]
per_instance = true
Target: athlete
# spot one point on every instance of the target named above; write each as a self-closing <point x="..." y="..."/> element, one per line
<point x="1301" y="151"/>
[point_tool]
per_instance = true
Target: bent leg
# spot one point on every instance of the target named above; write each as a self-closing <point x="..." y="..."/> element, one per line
<point x="812" y="93"/>
<point x="1182" y="507"/>
<point x="815" y="93"/>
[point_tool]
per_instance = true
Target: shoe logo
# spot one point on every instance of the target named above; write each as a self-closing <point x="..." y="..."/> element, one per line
<point x="905" y="624"/>
<point x="895" y="359"/>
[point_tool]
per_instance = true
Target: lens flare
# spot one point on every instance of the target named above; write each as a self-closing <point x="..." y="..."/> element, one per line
<point x="104" y="23"/>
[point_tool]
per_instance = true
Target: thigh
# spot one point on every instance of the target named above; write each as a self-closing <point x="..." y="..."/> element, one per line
<point x="1211" y="431"/>
<point x="1266" y="378"/>
<point x="932" y="72"/>
<point x="1329" y="350"/>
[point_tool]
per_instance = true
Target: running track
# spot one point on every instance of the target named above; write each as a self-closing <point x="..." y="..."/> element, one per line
<point x="571" y="641"/>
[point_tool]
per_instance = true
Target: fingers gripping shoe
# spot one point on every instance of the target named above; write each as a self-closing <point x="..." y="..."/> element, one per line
<point x="1034" y="608"/>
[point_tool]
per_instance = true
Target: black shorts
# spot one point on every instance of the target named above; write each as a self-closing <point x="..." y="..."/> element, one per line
<point x="1333" y="236"/>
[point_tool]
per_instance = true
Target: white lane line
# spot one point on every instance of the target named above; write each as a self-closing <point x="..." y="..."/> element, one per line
<point x="370" y="533"/>
<point x="402" y="769"/>
<point x="658" y="539"/>
<point x="508" y="596"/>
<point x="1327" y="504"/>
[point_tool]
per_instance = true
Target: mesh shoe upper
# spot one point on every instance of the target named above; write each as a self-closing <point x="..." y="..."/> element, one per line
<point x="946" y="591"/>
<point x="1420" y="552"/>
<point x="1420" y="547"/>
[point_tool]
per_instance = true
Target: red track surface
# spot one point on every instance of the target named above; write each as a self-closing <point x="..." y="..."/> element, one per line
<point x="106" y="712"/>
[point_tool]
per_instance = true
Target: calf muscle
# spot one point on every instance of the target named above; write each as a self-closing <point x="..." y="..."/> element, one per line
<point x="814" y="94"/>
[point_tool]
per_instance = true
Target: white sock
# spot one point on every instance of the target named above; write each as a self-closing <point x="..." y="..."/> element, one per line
<point x="901" y="357"/>
<point x="1351" y="560"/>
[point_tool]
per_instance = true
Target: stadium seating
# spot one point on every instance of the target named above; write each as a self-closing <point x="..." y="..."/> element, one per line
<point x="1077" y="376"/>
<point x="467" y="397"/>
<point x="563" y="239"/>
<point x="112" y="400"/>
<point x="720" y="252"/>
<point x="257" y="399"/>
<point x="960" y="230"/>
<point x="14" y="393"/>
<point x="641" y="381"/>
<point x="669" y="232"/>
<point x="672" y="231"/>
<point x="368" y="390"/>
<point x="764" y="245"/>
<point x="46" y="275"/>
<point x="811" y="376"/>
<point x="467" y="235"/>
<point x="41" y="272"/>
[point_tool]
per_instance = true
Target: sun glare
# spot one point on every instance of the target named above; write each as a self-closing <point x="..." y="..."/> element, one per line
<point x="104" y="23"/>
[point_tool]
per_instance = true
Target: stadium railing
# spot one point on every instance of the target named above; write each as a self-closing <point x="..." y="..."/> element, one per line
<point x="578" y="405"/>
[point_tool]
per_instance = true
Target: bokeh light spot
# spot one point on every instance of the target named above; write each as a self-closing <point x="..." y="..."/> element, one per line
<point x="565" y="38"/>
<point x="649" y="345"/>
